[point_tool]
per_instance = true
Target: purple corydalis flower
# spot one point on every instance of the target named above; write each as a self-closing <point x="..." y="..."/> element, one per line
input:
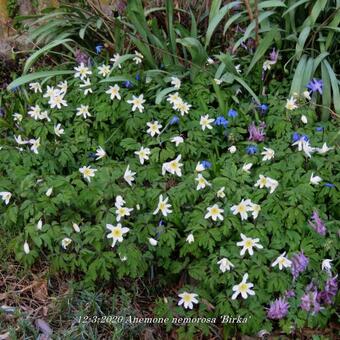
<point x="331" y="288"/>
<point x="317" y="224"/>
<point x="315" y="85"/>
<point x="278" y="309"/>
<point x="256" y="133"/>
<point x="309" y="302"/>
<point x="273" y="55"/>
<point x="299" y="264"/>
<point x="82" y="57"/>
<point x="289" y="294"/>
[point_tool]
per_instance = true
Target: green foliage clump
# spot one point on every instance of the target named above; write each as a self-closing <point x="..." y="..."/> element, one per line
<point x="61" y="216"/>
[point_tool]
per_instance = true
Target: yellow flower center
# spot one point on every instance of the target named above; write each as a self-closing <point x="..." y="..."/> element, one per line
<point x="243" y="287"/>
<point x="116" y="233"/>
<point x="214" y="211"/>
<point x="174" y="165"/>
<point x="248" y="244"/>
<point x="162" y="206"/>
<point x="187" y="298"/>
<point x="87" y="172"/>
<point x="263" y="181"/>
<point x="122" y="211"/>
<point x="242" y="208"/>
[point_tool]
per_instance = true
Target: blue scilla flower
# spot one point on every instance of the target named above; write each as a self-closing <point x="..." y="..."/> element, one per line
<point x="174" y="120"/>
<point x="319" y="129"/>
<point x="99" y="48"/>
<point x="295" y="137"/>
<point x="221" y="121"/>
<point x="128" y="84"/>
<point x="92" y="155"/>
<point x="15" y="89"/>
<point x="206" y="164"/>
<point x="138" y="77"/>
<point x="329" y="185"/>
<point x="251" y="149"/>
<point x="305" y="138"/>
<point x="232" y="113"/>
<point x="263" y="108"/>
<point x="2" y="112"/>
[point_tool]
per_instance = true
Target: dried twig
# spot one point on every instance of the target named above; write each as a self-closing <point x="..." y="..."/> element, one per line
<point x="250" y="13"/>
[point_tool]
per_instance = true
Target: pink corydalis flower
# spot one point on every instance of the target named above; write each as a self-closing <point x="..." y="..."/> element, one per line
<point x="299" y="264"/>
<point x="328" y="294"/>
<point x="256" y="133"/>
<point x="273" y="55"/>
<point x="278" y="309"/>
<point x="317" y="224"/>
<point x="309" y="302"/>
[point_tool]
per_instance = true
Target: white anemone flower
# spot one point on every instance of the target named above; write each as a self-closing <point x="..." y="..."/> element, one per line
<point x="291" y="104"/>
<point x="122" y="212"/>
<point x="143" y="154"/>
<point x="100" y="153"/>
<point x="154" y="128"/>
<point x="163" y="206"/>
<point x="104" y="70"/>
<point x="83" y="110"/>
<point x="248" y="244"/>
<point x="190" y="238"/>
<point x="82" y="71"/>
<point x="282" y="261"/>
<point x="225" y="265"/>
<point x="116" y="233"/>
<point x="129" y="175"/>
<point x="87" y="172"/>
<point x="58" y="130"/>
<point x="137" y="103"/>
<point x="243" y="288"/>
<point x="6" y="196"/>
<point x="26" y="248"/>
<point x="177" y="140"/>
<point x="214" y="212"/>
<point x="187" y="300"/>
<point x="242" y="208"/>
<point x="201" y="182"/>
<point x="315" y="180"/>
<point x="173" y="167"/>
<point x="113" y="91"/>
<point x="205" y="122"/>
<point x="268" y="154"/>
<point x="66" y="242"/>
<point x="176" y="82"/>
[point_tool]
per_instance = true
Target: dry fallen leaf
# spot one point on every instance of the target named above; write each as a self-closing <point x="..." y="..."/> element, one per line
<point x="40" y="290"/>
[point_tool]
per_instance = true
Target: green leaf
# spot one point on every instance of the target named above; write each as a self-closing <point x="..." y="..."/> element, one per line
<point x="301" y="42"/>
<point x="335" y="86"/>
<point x="34" y="76"/>
<point x="163" y="93"/>
<point x="262" y="49"/>
<point x="34" y="57"/>
<point x="215" y="20"/>
<point x="298" y="76"/>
